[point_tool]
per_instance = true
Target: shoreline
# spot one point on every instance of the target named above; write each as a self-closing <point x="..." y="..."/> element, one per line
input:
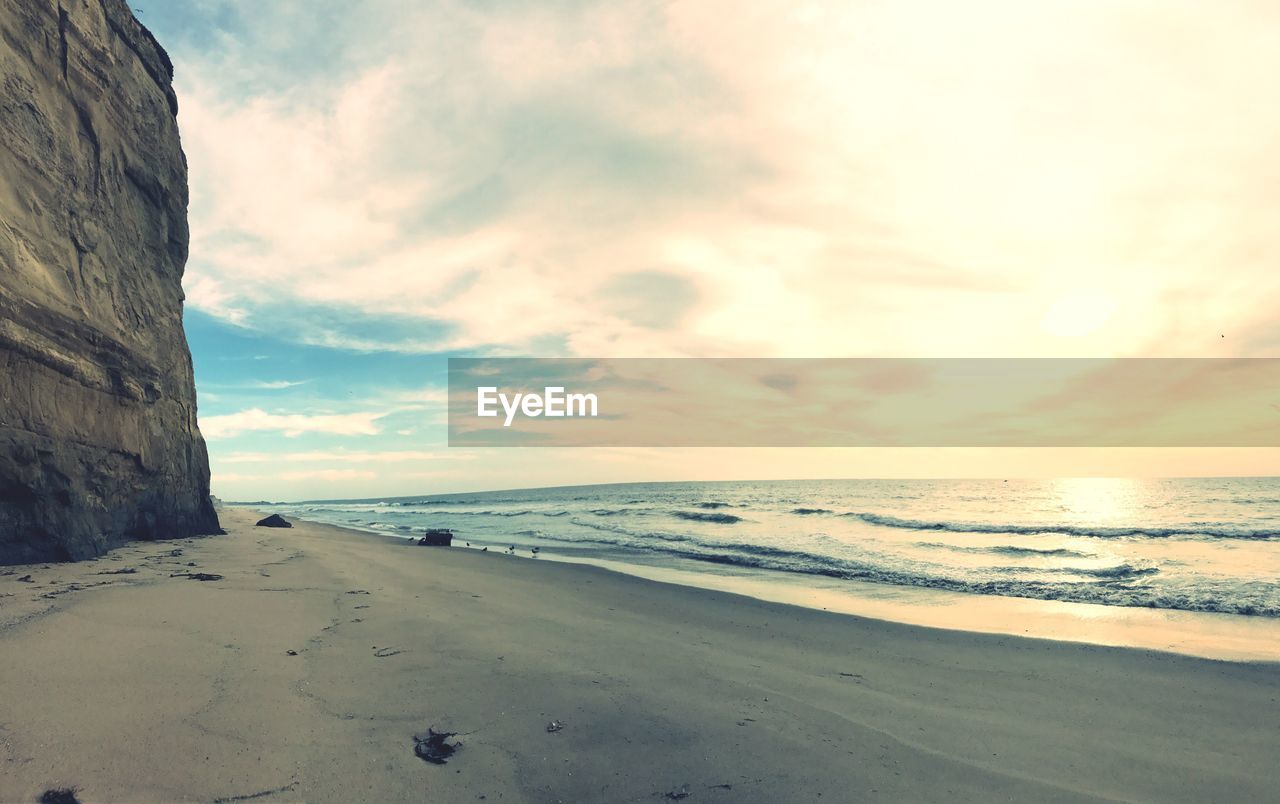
<point x="1206" y="635"/>
<point x="153" y="685"/>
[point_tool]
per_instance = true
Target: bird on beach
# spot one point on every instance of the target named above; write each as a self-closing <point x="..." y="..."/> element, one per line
<point x="535" y="551"/>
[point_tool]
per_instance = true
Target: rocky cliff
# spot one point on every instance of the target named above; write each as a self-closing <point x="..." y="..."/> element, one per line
<point x="98" y="436"/>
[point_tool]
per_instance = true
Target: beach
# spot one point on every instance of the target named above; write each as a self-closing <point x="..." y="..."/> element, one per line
<point x="299" y="664"/>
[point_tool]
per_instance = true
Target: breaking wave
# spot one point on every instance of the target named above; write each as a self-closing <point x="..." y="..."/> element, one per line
<point x="1092" y="531"/>
<point x="697" y="516"/>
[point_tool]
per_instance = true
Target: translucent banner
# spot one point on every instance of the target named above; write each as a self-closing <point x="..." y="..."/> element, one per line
<point x="911" y="402"/>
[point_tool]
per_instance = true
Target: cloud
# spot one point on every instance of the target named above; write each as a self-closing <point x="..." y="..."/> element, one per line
<point x="329" y="474"/>
<point x="277" y="385"/>
<point x="797" y="180"/>
<point x="317" y="456"/>
<point x="290" y="424"/>
<point x="206" y="293"/>
<point x="258" y="385"/>
<point x="710" y="179"/>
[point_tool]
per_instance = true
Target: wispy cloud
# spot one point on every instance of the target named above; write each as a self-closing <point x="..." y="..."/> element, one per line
<point x="258" y="385"/>
<point x="318" y="456"/>
<point x="329" y="474"/>
<point x="290" y="424"/>
<point x="277" y="385"/>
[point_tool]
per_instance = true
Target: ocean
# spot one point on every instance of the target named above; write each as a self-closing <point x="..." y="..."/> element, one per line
<point x="1198" y="545"/>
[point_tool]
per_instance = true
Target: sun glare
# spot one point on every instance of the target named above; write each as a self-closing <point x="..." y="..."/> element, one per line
<point x="1078" y="314"/>
<point x="1098" y="500"/>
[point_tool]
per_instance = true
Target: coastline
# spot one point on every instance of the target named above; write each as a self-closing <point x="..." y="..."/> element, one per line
<point x="150" y="685"/>
<point x="1204" y="634"/>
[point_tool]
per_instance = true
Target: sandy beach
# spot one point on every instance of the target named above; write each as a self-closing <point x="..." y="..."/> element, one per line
<point x="129" y="680"/>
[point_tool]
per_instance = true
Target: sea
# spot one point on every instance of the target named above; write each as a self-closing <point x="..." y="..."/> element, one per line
<point x="1190" y="545"/>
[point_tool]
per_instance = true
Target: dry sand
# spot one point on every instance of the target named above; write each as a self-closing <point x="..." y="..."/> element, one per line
<point x="154" y="687"/>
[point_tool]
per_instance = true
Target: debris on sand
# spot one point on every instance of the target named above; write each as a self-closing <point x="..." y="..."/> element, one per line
<point x="197" y="576"/>
<point x="260" y="794"/>
<point x="435" y="747"/>
<point x="357" y="592"/>
<point x="678" y="795"/>
<point x="554" y="726"/>
<point x="121" y="571"/>
<point x="26" y="579"/>
<point x="291" y="653"/>
<point x="59" y="795"/>
<point x="383" y="653"/>
<point x="274" y="521"/>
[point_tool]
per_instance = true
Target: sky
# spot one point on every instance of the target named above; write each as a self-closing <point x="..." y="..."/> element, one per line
<point x="377" y="186"/>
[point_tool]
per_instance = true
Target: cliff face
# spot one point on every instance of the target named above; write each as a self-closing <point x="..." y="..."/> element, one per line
<point x="98" y="436"/>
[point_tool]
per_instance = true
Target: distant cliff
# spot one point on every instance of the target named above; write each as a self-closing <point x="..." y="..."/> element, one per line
<point x="98" y="436"/>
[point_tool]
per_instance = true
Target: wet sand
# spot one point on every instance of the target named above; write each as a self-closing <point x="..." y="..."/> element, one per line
<point x="151" y="685"/>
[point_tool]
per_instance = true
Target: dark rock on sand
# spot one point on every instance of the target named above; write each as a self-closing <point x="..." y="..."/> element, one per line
<point x="274" y="521"/>
<point x="98" y="436"/>
<point x="436" y="537"/>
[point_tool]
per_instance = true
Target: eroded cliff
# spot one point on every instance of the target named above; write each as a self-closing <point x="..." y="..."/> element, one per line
<point x="98" y="436"/>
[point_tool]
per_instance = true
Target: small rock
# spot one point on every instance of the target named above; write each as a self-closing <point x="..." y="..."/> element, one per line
<point x="274" y="521"/>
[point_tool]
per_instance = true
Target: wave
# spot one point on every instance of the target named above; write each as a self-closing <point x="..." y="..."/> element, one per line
<point x="1118" y="571"/>
<point x="617" y="511"/>
<point x="432" y="501"/>
<point x="1009" y="550"/>
<point x="695" y="516"/>
<point x="638" y="537"/>
<point x="1108" y="586"/>
<point x="1092" y="531"/>
<point x="810" y="511"/>
<point x="712" y="505"/>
